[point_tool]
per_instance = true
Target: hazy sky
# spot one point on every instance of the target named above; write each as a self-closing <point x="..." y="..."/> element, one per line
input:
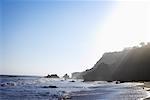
<point x="40" y="37"/>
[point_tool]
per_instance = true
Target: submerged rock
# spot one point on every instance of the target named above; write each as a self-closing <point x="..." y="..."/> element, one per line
<point x="72" y="81"/>
<point x="9" y="84"/>
<point x="51" y="86"/>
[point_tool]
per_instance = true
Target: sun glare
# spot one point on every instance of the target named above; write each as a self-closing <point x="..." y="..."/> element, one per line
<point x="127" y="25"/>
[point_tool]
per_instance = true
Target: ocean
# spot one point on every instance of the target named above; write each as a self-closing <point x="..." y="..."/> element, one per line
<point x="39" y="88"/>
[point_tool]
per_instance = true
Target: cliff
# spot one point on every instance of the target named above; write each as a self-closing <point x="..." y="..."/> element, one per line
<point x="135" y="66"/>
<point x="105" y="67"/>
<point x="127" y="65"/>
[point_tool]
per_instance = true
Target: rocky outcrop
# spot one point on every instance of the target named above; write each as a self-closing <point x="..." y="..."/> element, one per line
<point x="135" y="66"/>
<point x="105" y="67"/>
<point x="128" y="65"/>
<point x="52" y="76"/>
<point x="76" y="75"/>
<point x="99" y="72"/>
<point x="66" y="76"/>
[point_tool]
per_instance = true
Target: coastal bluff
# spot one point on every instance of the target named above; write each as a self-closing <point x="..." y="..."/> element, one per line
<point x="132" y="64"/>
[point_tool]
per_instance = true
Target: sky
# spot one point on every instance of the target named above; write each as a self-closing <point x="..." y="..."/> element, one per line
<point x="45" y="37"/>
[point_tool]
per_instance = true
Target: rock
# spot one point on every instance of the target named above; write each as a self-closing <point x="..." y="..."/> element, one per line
<point x="52" y="76"/>
<point x="66" y="76"/>
<point x="50" y="86"/>
<point x="66" y="96"/>
<point x="72" y="81"/>
<point x="135" y="66"/>
<point x="117" y="82"/>
<point x="77" y="75"/>
<point x="147" y="99"/>
<point x="126" y="66"/>
<point x="10" y="84"/>
<point x="3" y="85"/>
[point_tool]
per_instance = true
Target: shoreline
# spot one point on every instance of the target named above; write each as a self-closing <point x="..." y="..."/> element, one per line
<point x="146" y="86"/>
<point x="98" y="93"/>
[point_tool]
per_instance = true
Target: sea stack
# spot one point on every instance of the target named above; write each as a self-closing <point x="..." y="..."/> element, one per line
<point x="52" y="76"/>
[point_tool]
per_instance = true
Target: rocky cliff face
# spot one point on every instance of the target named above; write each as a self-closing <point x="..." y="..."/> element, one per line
<point x="105" y="67"/>
<point x="127" y="65"/>
<point x="135" y="66"/>
<point x="77" y="75"/>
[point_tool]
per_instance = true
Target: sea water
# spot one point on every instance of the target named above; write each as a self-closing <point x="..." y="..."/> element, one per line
<point x="39" y="88"/>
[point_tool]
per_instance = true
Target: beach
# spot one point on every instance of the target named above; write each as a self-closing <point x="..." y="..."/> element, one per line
<point x="125" y="91"/>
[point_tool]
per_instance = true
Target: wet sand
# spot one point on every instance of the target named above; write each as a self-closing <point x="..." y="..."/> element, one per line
<point x="146" y="86"/>
<point x="116" y="92"/>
